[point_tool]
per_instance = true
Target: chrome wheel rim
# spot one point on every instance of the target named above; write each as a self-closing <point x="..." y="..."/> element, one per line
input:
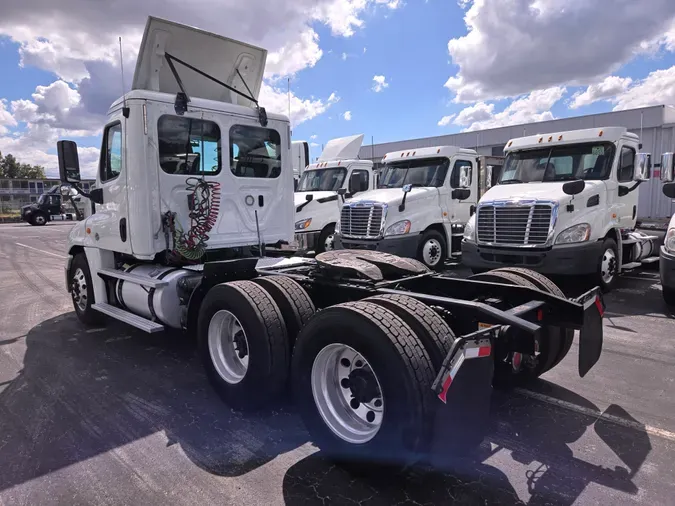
<point x="608" y="266"/>
<point x="329" y="243"/>
<point x="39" y="219"/>
<point x="431" y="252"/>
<point x="79" y="289"/>
<point x="347" y="393"/>
<point x="228" y="347"/>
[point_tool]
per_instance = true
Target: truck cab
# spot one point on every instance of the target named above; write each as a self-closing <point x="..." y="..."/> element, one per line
<point x="51" y="206"/>
<point x="424" y="198"/>
<point x="565" y="203"/>
<point x="317" y="204"/>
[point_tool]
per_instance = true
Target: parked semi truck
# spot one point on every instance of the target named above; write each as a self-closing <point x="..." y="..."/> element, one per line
<point x="566" y="203"/>
<point x="667" y="253"/>
<point x="387" y="360"/>
<point x="317" y="206"/>
<point x="424" y="198"/>
<point x="50" y="207"/>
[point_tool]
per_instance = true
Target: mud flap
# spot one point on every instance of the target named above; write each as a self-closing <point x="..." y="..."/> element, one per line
<point x="464" y="390"/>
<point x="590" y="335"/>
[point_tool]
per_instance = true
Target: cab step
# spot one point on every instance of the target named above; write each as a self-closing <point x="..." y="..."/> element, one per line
<point x="130" y="318"/>
<point x="132" y="278"/>
<point x="650" y="260"/>
<point x="631" y="265"/>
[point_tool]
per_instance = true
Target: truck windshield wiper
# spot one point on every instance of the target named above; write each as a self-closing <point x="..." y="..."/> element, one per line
<point x="510" y="181"/>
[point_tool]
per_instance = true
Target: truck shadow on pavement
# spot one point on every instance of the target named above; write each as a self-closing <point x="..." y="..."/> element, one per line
<point x="83" y="393"/>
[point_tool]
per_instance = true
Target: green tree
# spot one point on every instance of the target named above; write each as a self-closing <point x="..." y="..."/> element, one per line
<point x="11" y="168"/>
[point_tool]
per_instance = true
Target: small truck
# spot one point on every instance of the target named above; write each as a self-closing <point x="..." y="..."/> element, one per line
<point x="387" y="360"/>
<point x="49" y="207"/>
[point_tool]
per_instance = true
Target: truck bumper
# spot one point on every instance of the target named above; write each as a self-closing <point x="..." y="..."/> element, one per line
<point x="403" y="246"/>
<point x="667" y="268"/>
<point x="307" y="240"/>
<point x="564" y="259"/>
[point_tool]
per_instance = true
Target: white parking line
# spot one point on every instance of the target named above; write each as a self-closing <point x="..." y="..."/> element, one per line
<point x="595" y="413"/>
<point x="41" y="251"/>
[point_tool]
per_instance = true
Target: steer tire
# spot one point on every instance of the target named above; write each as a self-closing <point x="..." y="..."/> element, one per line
<point x="295" y="305"/>
<point x="545" y="284"/>
<point x="427" y="325"/>
<point x="403" y="370"/>
<point x="506" y="375"/>
<point x="440" y="244"/>
<point x="266" y="338"/>
<point x="87" y="315"/>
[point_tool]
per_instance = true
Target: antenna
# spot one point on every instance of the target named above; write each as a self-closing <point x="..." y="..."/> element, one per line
<point x="125" y="109"/>
<point x="289" y="104"/>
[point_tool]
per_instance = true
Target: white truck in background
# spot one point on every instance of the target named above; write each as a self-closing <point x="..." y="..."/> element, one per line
<point x="565" y="204"/>
<point x="667" y="253"/>
<point x="300" y="157"/>
<point x="424" y="198"/>
<point x="317" y="206"/>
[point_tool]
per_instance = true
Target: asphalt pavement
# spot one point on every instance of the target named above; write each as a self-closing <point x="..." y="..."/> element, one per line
<point x="115" y="416"/>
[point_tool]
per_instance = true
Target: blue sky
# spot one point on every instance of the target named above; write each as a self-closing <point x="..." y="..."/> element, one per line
<point x="444" y="66"/>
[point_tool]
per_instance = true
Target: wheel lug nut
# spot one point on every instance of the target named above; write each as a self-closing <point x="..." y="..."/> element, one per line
<point x="370" y="416"/>
<point x="345" y="362"/>
<point x="354" y="403"/>
<point x="344" y="383"/>
<point x="358" y="363"/>
<point x="378" y="403"/>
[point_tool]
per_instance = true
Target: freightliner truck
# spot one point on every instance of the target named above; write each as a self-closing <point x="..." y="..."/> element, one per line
<point x="565" y="204"/>
<point x="387" y="360"/>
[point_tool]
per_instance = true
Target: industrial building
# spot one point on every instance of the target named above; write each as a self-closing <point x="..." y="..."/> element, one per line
<point x="655" y="125"/>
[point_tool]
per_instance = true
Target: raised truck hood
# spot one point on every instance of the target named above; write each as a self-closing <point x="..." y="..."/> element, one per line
<point x="394" y="196"/>
<point x="538" y="191"/>
<point x="344" y="148"/>
<point x="218" y="56"/>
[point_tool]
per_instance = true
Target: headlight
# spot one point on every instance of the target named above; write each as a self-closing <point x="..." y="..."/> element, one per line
<point x="669" y="241"/>
<point x="470" y="230"/>
<point x="337" y="227"/>
<point x="302" y="225"/>
<point x="398" y="228"/>
<point x="576" y="233"/>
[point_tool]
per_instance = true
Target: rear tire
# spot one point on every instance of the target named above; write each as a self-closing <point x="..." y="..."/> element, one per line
<point x="295" y="305"/>
<point x="82" y="291"/>
<point x="427" y="325"/>
<point x="401" y="367"/>
<point x="247" y="370"/>
<point x="433" y="250"/>
<point x="669" y="296"/>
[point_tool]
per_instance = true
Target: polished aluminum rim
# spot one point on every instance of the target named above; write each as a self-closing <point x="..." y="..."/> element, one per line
<point x="329" y="243"/>
<point x="608" y="265"/>
<point x="39" y="219"/>
<point x="79" y="289"/>
<point x="431" y="252"/>
<point x="347" y="393"/>
<point x="228" y="346"/>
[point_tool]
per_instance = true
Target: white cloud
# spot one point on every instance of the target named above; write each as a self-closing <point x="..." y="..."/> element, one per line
<point x="312" y="137"/>
<point x="276" y="100"/>
<point x="344" y="56"/>
<point x="527" y="109"/>
<point x="657" y="88"/>
<point x="347" y="116"/>
<point x="514" y="46"/>
<point x="314" y="144"/>
<point x="608" y="88"/>
<point x="6" y="118"/>
<point x="445" y="120"/>
<point x="379" y="83"/>
<point x="295" y="56"/>
<point x="364" y="50"/>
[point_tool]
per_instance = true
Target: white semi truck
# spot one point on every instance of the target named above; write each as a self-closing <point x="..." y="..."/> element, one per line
<point x="566" y="203"/>
<point x="424" y="198"/>
<point x="317" y="206"/>
<point x="387" y="360"/>
<point x="667" y="253"/>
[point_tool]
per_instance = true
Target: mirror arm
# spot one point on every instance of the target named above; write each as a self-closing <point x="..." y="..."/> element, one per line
<point x="625" y="190"/>
<point x="401" y="208"/>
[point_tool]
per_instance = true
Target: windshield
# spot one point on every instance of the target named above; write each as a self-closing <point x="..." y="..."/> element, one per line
<point x="322" y="180"/>
<point x="561" y="163"/>
<point x="427" y="172"/>
<point x="42" y="199"/>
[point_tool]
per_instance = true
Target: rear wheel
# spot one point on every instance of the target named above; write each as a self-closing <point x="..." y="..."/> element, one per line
<point x="669" y="296"/>
<point x="432" y="250"/>
<point x="82" y="291"/>
<point x="243" y="344"/>
<point x="362" y="383"/>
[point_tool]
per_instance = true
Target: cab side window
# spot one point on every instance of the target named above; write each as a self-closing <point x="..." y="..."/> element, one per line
<point x="111" y="159"/>
<point x="255" y="152"/>
<point x="358" y="181"/>
<point x="626" y="165"/>
<point x="456" y="173"/>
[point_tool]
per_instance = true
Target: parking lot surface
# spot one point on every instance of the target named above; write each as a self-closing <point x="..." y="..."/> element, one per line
<point x="115" y="416"/>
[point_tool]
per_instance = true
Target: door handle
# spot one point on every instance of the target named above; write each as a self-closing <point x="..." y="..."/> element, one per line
<point x="123" y="229"/>
<point x="261" y="200"/>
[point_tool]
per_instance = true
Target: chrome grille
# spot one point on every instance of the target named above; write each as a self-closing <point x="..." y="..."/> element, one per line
<point x="361" y="221"/>
<point x="514" y="224"/>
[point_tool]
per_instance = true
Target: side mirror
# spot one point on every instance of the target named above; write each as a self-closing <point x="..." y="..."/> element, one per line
<point x="488" y="177"/>
<point x="96" y="196"/>
<point x="310" y="197"/>
<point x="461" y="193"/>
<point x="465" y="176"/>
<point x="643" y="167"/>
<point x="66" y="190"/>
<point x="574" y="187"/>
<point x="69" y="162"/>
<point x="342" y="192"/>
<point x="667" y="167"/>
<point x="669" y="190"/>
<point x="407" y="188"/>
